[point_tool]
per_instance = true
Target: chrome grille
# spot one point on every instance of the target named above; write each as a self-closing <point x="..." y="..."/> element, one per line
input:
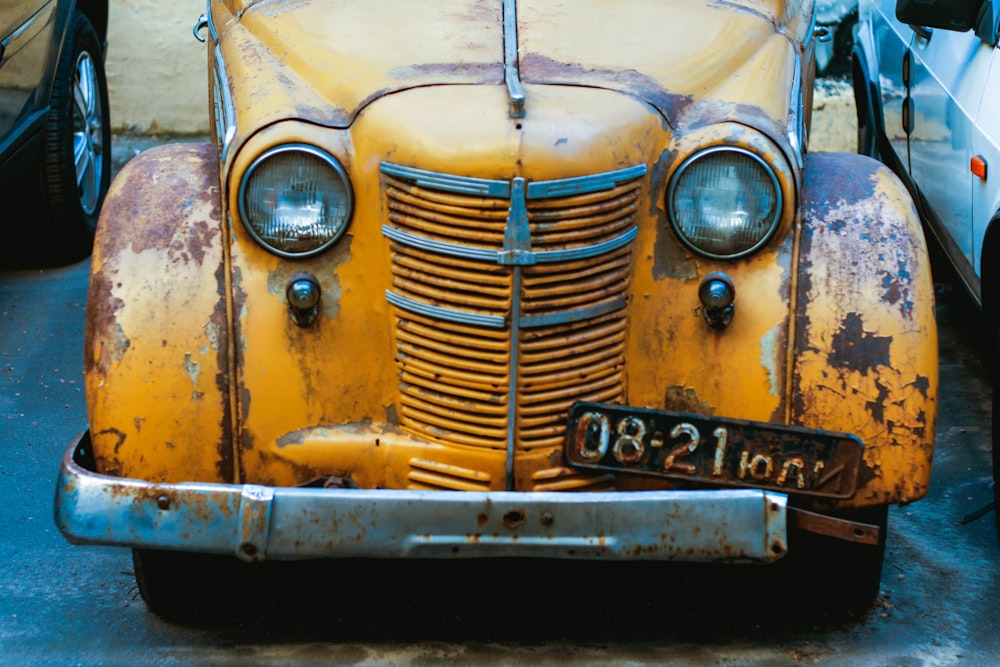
<point x="432" y="475"/>
<point x="563" y="364"/>
<point x="453" y="381"/>
<point x="510" y="301"/>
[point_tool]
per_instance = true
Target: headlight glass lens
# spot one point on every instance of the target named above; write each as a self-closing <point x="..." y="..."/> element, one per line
<point x="724" y="202"/>
<point x="295" y="200"/>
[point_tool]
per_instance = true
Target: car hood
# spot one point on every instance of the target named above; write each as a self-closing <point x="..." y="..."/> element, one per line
<point x="669" y="53"/>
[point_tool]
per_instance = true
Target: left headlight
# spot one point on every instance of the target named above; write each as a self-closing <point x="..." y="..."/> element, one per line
<point x="295" y="200"/>
<point x="724" y="202"/>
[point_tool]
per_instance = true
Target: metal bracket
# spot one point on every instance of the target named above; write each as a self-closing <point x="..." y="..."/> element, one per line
<point x="841" y="529"/>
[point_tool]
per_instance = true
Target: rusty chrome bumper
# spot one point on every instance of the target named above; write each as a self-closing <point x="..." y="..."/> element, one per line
<point x="281" y="523"/>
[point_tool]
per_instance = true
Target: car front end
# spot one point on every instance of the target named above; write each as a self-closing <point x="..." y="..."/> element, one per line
<point x="519" y="285"/>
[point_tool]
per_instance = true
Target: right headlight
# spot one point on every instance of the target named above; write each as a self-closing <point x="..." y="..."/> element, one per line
<point x="724" y="202"/>
<point x="295" y="200"/>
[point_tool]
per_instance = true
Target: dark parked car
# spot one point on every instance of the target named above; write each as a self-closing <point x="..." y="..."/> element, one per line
<point x="926" y="80"/>
<point x="55" y="141"/>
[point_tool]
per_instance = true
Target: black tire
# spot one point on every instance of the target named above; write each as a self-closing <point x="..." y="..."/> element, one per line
<point x="57" y="200"/>
<point x="838" y="575"/>
<point x="178" y="585"/>
<point x="991" y="329"/>
<point x="994" y="343"/>
<point x="996" y="468"/>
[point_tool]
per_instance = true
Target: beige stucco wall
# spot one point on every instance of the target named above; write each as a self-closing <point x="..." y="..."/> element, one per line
<point x="156" y="69"/>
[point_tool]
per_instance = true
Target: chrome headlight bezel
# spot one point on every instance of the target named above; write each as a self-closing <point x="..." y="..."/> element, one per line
<point x="246" y="209"/>
<point x="769" y="225"/>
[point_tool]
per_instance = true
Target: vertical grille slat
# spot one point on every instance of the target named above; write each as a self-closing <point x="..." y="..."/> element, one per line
<point x="471" y="293"/>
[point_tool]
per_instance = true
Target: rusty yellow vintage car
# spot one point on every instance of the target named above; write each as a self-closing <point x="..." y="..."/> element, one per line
<point x="504" y="278"/>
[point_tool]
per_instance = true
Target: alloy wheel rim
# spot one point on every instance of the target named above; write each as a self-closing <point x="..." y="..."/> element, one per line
<point x="88" y="133"/>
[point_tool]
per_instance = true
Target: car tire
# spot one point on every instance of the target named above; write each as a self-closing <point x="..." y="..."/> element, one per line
<point x="837" y="574"/>
<point x="57" y="200"/>
<point x="177" y="585"/>
<point x="994" y="339"/>
<point x="989" y="291"/>
<point x="996" y="462"/>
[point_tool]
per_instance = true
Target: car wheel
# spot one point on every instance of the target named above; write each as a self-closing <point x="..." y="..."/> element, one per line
<point x="837" y="574"/>
<point x="57" y="202"/>
<point x="995" y="351"/>
<point x="996" y="465"/>
<point x="991" y="334"/>
<point x="176" y="585"/>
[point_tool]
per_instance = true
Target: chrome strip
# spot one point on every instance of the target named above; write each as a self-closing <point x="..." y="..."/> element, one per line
<point x="579" y="185"/>
<point x="441" y="247"/>
<point x="570" y="316"/>
<point x="448" y="183"/>
<point x="796" y="130"/>
<point x="447" y="314"/>
<point x="228" y="109"/>
<point x="704" y="525"/>
<point x="561" y="187"/>
<point x="515" y="353"/>
<point x="515" y="91"/>
<point x="512" y="257"/>
<point x="211" y="23"/>
<point x="516" y="247"/>
<point x="586" y="252"/>
<point x="28" y="30"/>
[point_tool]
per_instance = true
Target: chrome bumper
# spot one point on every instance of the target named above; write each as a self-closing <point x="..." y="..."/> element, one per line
<point x="281" y="523"/>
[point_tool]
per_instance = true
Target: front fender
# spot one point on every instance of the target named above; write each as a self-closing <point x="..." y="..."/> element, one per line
<point x="865" y="359"/>
<point x="157" y="331"/>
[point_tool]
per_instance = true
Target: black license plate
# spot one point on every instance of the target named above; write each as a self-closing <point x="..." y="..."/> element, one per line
<point x="713" y="450"/>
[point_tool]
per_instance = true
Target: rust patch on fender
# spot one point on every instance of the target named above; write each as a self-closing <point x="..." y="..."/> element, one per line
<point x="104" y="340"/>
<point x="685" y="399"/>
<point x="865" y="340"/>
<point x="859" y="350"/>
<point x="160" y="174"/>
<point x="226" y="465"/>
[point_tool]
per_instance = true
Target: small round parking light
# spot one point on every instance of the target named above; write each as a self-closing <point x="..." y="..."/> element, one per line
<point x="717" y="295"/>
<point x="303" y="295"/>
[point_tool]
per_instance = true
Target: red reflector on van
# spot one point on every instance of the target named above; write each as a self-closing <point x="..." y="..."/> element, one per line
<point x="978" y="166"/>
